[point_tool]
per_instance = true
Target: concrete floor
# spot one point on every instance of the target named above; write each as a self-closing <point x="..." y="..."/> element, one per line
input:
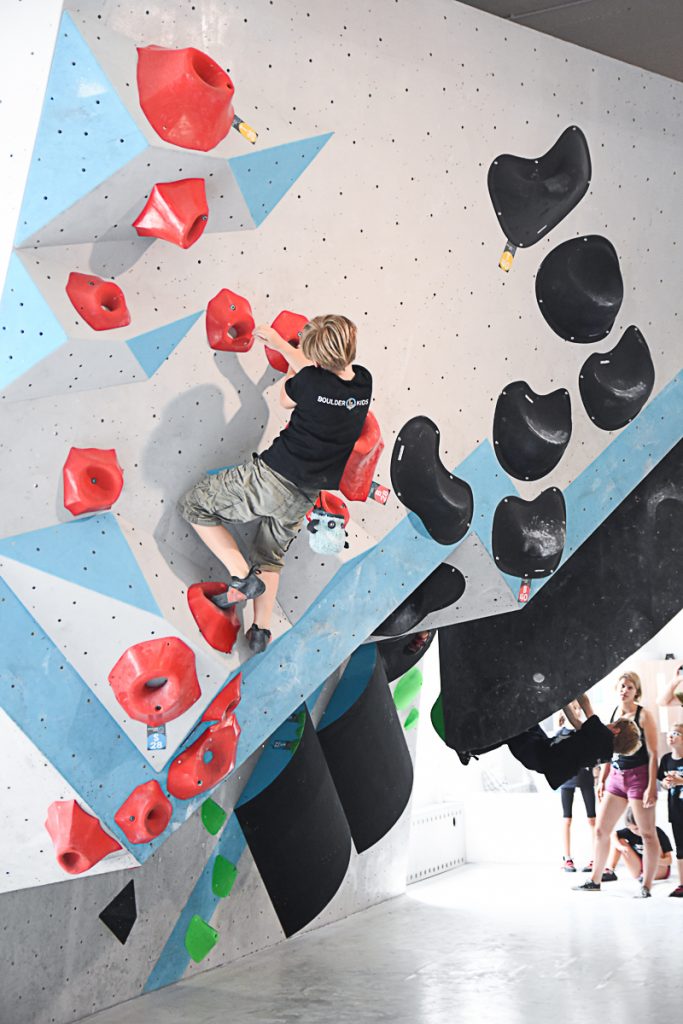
<point x="481" y="943"/>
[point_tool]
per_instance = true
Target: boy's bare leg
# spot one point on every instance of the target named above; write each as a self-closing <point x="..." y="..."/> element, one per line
<point x="572" y="717"/>
<point x="586" y="706"/>
<point x="223" y="545"/>
<point x="264" y="603"/>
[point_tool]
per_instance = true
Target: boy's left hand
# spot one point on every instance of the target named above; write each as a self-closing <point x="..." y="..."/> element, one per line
<point x="268" y="335"/>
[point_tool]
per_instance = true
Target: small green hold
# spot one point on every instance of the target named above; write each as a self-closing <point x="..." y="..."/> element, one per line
<point x="438" y="721"/>
<point x="223" y="878"/>
<point x="407" y="688"/>
<point x="213" y="816"/>
<point x="411" y="720"/>
<point x="200" y="938"/>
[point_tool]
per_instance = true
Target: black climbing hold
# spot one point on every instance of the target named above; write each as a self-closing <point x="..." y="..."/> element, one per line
<point x="531" y="196"/>
<point x="528" y="536"/>
<point x="503" y="674"/>
<point x="530" y="431"/>
<point x="401" y="654"/>
<point x="442" y="588"/>
<point x="367" y="755"/>
<point x="443" y="502"/>
<point x="121" y="914"/>
<point x="616" y="385"/>
<point x="579" y="288"/>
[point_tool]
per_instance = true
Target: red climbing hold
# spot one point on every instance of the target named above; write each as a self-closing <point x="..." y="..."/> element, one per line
<point x="229" y="322"/>
<point x="101" y="303"/>
<point x="289" y="326"/>
<point x="176" y="211"/>
<point x="206" y="762"/>
<point x="156" y="681"/>
<point x="225" y="702"/>
<point x="219" y="628"/>
<point x="145" y="813"/>
<point x="185" y="96"/>
<point x="358" y="472"/>
<point x="79" y="840"/>
<point x="93" y="480"/>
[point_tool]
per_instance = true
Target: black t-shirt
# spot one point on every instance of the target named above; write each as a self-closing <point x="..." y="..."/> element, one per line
<point x="312" y="451"/>
<point x="636" y="842"/>
<point x="669" y="763"/>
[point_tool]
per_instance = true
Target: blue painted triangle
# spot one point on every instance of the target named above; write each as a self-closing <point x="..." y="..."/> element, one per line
<point x="29" y="330"/>
<point x="266" y="175"/>
<point x="152" y="348"/>
<point x="85" y="133"/>
<point x="92" y="552"/>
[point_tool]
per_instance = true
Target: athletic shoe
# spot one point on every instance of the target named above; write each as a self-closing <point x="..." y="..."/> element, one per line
<point x="245" y="589"/>
<point x="678" y="891"/>
<point x="258" y="639"/>
<point x="608" y="875"/>
<point x="588" y="868"/>
<point x="644" y="894"/>
<point x="589" y="886"/>
<point x="568" y="864"/>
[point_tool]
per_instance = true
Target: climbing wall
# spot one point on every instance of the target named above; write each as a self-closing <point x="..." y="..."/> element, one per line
<point x="384" y="183"/>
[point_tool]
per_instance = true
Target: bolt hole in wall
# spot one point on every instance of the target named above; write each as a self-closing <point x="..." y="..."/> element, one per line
<point x="459" y="814"/>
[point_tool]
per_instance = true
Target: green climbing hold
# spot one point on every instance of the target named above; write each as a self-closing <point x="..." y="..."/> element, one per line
<point x="437" y="718"/>
<point x="411" y="719"/>
<point x="213" y="816"/>
<point x="407" y="688"/>
<point x="200" y="938"/>
<point x="224" y="875"/>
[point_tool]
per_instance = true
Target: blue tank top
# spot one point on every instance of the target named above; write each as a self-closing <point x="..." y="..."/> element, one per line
<point x="642" y="756"/>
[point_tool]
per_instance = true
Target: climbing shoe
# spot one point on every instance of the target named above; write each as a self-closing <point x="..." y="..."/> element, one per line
<point x="644" y="894"/>
<point x="245" y="589"/>
<point x="608" y="875"/>
<point x="589" y="886"/>
<point x="678" y="891"/>
<point x="568" y="864"/>
<point x="258" y="639"/>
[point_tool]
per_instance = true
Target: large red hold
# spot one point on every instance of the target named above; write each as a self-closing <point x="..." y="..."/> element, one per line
<point x="79" y="840"/>
<point x="101" y="303"/>
<point x="362" y="462"/>
<point x="185" y="96"/>
<point x="229" y="322"/>
<point x="176" y="211"/>
<point x="156" y="681"/>
<point x="219" y="628"/>
<point x="206" y="762"/>
<point x="145" y="813"/>
<point x="289" y="326"/>
<point x="93" y="480"/>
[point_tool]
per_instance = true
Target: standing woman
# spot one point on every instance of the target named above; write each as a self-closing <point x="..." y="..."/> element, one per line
<point x="630" y="779"/>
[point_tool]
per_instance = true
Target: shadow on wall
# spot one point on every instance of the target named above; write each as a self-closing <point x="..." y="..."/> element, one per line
<point x="192" y="438"/>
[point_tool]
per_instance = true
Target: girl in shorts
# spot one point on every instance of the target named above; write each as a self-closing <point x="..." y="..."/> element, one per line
<point x="629" y="779"/>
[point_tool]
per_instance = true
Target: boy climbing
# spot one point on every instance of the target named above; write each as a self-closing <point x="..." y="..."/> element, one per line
<point x="329" y="397"/>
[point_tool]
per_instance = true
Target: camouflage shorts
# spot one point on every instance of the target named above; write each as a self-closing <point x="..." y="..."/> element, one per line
<point x="241" y="494"/>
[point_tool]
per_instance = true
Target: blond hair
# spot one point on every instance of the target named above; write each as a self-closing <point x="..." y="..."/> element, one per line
<point x="634" y="678"/>
<point x="329" y="341"/>
<point x="628" y="739"/>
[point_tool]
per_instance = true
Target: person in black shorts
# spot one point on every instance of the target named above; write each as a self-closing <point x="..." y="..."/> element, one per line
<point x="670" y="773"/>
<point x="583" y="780"/>
<point x="627" y="843"/>
<point x="329" y="397"/>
